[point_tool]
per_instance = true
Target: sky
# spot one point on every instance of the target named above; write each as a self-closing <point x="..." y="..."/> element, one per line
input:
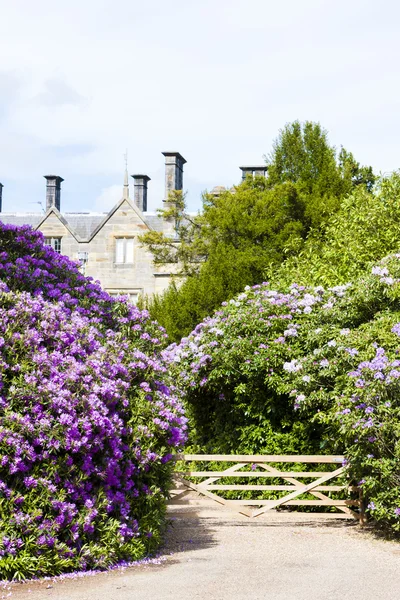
<point x="84" y="80"/>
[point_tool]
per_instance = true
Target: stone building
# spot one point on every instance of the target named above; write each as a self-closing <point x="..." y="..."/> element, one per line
<point x="106" y="244"/>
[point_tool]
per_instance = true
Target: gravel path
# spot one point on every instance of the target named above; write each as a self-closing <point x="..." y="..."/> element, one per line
<point x="212" y="554"/>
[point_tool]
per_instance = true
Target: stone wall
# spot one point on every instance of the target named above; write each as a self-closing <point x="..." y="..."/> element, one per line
<point x="139" y="277"/>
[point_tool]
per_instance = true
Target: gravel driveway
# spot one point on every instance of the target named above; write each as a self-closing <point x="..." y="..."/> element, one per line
<point x="213" y="554"/>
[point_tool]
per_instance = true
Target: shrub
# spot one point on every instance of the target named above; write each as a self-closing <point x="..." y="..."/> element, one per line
<point x="87" y="424"/>
<point x="304" y="370"/>
<point x="365" y="229"/>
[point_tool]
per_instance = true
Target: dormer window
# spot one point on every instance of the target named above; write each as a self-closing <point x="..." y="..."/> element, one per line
<point x="124" y="251"/>
<point x="54" y="242"/>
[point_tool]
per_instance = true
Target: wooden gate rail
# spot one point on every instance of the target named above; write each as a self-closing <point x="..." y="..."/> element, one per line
<point x="296" y="487"/>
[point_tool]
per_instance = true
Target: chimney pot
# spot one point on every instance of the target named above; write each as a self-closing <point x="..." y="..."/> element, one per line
<point x="53" y="191"/>
<point x="140" y="191"/>
<point x="173" y="172"/>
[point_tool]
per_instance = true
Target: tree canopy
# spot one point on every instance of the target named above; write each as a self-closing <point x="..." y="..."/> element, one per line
<point x="246" y="232"/>
<point x="364" y="230"/>
<point x="302" y="155"/>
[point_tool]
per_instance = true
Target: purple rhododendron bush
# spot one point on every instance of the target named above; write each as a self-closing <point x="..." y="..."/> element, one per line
<point x="306" y="370"/>
<point x="87" y="424"/>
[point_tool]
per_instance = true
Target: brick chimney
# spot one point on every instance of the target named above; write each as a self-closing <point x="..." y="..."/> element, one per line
<point x="53" y="191"/>
<point x="1" y="197"/>
<point x="140" y="191"/>
<point x="173" y="172"/>
<point x="253" y="171"/>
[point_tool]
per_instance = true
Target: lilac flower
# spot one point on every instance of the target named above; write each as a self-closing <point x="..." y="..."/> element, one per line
<point x="291" y="332"/>
<point x="379" y="375"/>
<point x="396" y="329"/>
<point x="30" y="482"/>
<point x="381" y="271"/>
<point x="292" y="366"/>
<point x="79" y="368"/>
<point x="352" y="351"/>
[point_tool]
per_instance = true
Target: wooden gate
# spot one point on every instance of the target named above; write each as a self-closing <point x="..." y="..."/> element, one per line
<point x="249" y="467"/>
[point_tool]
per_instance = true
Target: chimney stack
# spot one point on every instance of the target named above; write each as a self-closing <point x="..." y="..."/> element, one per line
<point x="173" y="172"/>
<point x="253" y="171"/>
<point x="140" y="191"/>
<point x="1" y="197"/>
<point x="53" y="191"/>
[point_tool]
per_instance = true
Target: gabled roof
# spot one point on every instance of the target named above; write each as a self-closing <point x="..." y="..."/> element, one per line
<point x="32" y="219"/>
<point x="63" y="220"/>
<point x="108" y="216"/>
<point x="84" y="223"/>
<point x="83" y="226"/>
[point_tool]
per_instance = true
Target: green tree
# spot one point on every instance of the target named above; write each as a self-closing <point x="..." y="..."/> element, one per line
<point x="186" y="247"/>
<point x="238" y="235"/>
<point x="365" y="229"/>
<point x="244" y="234"/>
<point x="302" y="155"/>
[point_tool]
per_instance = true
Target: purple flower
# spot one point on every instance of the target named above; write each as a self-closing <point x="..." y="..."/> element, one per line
<point x="352" y="351"/>
<point x="30" y="482"/>
<point x="396" y="329"/>
<point x="78" y="368"/>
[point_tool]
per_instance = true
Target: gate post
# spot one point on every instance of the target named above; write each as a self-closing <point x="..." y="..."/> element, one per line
<point x="362" y="519"/>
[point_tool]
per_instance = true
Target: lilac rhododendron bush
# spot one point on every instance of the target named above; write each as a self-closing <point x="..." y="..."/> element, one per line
<point x="307" y="370"/>
<point x="87" y="424"/>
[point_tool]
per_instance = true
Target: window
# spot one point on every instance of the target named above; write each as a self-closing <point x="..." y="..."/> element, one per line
<point x="54" y="242"/>
<point x="83" y="258"/>
<point x="133" y="294"/>
<point x="124" y="251"/>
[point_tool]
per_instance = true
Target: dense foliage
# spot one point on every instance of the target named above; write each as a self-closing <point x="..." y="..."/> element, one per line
<point x="302" y="155"/>
<point x="364" y="230"/>
<point x="243" y="233"/>
<point x="87" y="425"/>
<point x="304" y="370"/>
